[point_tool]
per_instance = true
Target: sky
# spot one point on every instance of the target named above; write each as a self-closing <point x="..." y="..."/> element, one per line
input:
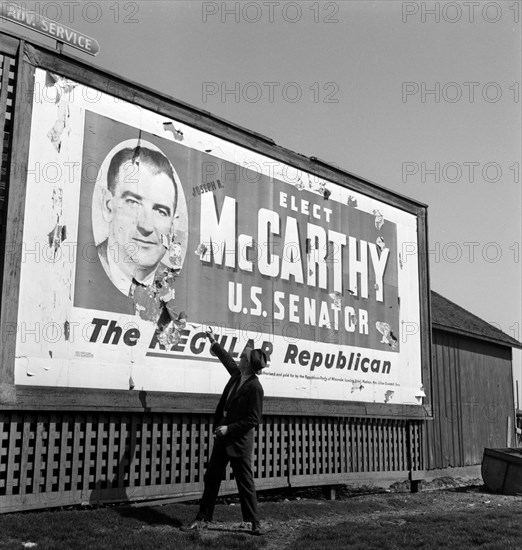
<point x="422" y="98"/>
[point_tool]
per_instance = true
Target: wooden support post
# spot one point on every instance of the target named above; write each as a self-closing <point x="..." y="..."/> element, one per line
<point x="329" y="492"/>
<point x="415" y="485"/>
<point x="10" y="280"/>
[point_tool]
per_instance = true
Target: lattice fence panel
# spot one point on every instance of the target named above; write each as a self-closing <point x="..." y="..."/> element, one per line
<point x="330" y="446"/>
<point x="61" y="458"/>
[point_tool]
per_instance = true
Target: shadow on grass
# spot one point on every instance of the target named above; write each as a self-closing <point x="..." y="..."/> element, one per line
<point x="149" y="515"/>
<point x="321" y="493"/>
<point x="482" y="489"/>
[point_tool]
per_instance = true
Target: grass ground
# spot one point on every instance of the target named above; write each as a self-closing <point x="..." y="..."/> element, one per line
<point x="464" y="519"/>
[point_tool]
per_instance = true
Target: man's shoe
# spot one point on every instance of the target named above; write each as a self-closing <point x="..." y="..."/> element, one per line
<point x="257" y="530"/>
<point x="196" y="525"/>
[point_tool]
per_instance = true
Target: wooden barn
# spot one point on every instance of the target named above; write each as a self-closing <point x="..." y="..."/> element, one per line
<point x="83" y="421"/>
<point x="472" y="388"/>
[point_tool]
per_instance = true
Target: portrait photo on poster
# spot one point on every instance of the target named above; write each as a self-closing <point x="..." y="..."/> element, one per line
<point x="133" y="221"/>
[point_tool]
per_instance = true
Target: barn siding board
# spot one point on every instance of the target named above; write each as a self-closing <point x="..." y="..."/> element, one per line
<point x="456" y="408"/>
<point x="469" y="416"/>
<point x="441" y="407"/>
<point x="460" y="394"/>
<point x="433" y="433"/>
<point x="450" y="387"/>
<point x="450" y="426"/>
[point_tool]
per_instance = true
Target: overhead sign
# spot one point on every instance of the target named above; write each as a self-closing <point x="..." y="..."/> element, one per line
<point x="53" y="29"/>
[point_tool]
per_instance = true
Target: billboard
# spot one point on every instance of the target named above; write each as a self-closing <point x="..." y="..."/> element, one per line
<point x="142" y="231"/>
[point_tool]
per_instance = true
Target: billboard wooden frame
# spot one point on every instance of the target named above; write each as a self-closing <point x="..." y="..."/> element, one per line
<point x="18" y="397"/>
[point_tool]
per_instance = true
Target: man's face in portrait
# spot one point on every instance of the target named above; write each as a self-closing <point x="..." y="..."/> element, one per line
<point x="140" y="210"/>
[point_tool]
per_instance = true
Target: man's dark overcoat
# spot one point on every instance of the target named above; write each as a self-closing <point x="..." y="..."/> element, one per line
<point x="244" y="409"/>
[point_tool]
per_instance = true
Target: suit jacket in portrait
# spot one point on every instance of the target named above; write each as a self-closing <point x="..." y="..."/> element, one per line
<point x="94" y="288"/>
<point x="244" y="409"/>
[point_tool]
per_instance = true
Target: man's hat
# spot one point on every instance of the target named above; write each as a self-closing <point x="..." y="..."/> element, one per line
<point x="258" y="359"/>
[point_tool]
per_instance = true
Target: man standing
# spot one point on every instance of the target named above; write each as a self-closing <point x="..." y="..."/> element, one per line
<point x="237" y="414"/>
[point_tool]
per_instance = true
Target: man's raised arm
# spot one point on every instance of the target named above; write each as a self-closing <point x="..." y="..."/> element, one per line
<point x="222" y="354"/>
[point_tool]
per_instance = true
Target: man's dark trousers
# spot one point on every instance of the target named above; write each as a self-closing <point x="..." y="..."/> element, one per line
<point x="241" y="466"/>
